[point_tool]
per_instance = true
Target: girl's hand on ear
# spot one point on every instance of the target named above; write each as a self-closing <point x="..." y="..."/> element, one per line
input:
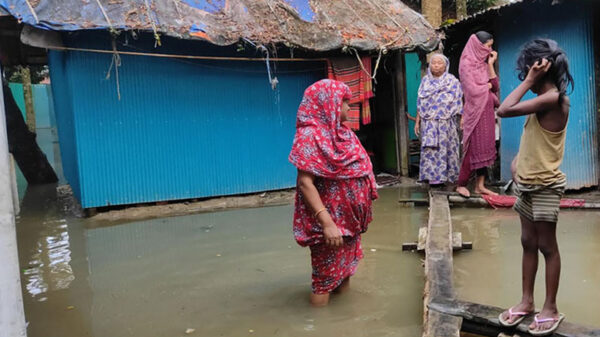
<point x="538" y="70"/>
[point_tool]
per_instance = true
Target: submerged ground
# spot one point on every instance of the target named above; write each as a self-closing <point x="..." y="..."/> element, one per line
<point x="240" y="273"/>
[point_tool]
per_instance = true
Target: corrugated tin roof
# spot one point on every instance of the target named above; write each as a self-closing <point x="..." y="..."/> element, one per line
<point x="479" y="14"/>
<point x="318" y="25"/>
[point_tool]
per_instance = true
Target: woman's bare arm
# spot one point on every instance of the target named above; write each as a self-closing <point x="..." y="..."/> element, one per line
<point x="306" y="186"/>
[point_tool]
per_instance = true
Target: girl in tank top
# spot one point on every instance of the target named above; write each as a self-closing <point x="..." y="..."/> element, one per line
<point x="544" y="69"/>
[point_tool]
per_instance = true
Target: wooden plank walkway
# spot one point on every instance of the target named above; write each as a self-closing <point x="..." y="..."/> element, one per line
<point x="439" y="270"/>
<point x="444" y="315"/>
<point x="476" y="200"/>
<point x="483" y="319"/>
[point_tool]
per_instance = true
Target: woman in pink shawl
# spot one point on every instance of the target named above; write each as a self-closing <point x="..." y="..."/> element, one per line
<point x="480" y="86"/>
<point x="335" y="190"/>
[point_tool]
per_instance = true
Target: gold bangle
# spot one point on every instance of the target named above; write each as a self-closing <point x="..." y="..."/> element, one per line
<point x="319" y="211"/>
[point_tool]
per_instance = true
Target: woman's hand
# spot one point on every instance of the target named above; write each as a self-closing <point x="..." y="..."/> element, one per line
<point x="538" y="70"/>
<point x="333" y="236"/>
<point x="493" y="57"/>
<point x="462" y="123"/>
<point x="417" y="129"/>
<point x="490" y="86"/>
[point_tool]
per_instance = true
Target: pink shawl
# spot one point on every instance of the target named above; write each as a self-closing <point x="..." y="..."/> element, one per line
<point x="474" y="77"/>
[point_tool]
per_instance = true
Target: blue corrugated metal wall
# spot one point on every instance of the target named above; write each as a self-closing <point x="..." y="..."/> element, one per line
<point x="571" y="25"/>
<point x="63" y="108"/>
<point x="182" y="129"/>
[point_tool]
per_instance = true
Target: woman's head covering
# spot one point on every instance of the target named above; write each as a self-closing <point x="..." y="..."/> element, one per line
<point x="475" y="52"/>
<point x="324" y="146"/>
<point x="474" y="77"/>
<point x="439" y="96"/>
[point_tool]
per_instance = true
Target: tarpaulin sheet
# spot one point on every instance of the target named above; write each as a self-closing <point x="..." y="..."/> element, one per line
<point x="318" y="25"/>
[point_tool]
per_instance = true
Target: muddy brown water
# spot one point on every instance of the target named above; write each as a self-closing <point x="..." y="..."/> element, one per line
<point x="239" y="273"/>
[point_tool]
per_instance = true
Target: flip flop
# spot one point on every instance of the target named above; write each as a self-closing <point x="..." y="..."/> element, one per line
<point x="550" y="330"/>
<point x="511" y="314"/>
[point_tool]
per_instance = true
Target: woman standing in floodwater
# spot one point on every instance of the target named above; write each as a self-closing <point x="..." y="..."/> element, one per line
<point x="480" y="86"/>
<point x="438" y="105"/>
<point x="335" y="188"/>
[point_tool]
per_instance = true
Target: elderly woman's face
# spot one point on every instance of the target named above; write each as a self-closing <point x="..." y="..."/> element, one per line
<point x="438" y="66"/>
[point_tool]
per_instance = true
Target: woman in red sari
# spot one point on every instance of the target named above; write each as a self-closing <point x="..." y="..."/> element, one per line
<point x="480" y="86"/>
<point x="335" y="188"/>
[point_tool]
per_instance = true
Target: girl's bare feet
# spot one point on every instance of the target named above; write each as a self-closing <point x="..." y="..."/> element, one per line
<point x="463" y="191"/>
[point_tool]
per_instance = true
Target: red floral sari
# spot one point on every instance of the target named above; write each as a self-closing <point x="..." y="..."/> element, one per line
<point x="331" y="151"/>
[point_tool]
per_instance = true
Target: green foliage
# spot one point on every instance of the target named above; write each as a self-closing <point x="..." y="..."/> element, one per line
<point x="38" y="73"/>
<point x="474" y="6"/>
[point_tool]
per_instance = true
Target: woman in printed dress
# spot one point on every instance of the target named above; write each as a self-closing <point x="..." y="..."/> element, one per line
<point x="335" y="188"/>
<point x="438" y="106"/>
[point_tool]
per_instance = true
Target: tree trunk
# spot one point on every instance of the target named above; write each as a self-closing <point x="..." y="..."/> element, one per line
<point x="28" y="96"/>
<point x="22" y="144"/>
<point x="461" y="9"/>
<point x="432" y="10"/>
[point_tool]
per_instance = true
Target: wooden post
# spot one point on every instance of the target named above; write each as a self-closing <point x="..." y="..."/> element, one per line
<point x="28" y="96"/>
<point x="13" y="185"/>
<point x="12" y="316"/>
<point x="402" y="136"/>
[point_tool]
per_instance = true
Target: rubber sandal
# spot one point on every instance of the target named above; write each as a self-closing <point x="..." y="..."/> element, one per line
<point x="511" y="314"/>
<point x="548" y="331"/>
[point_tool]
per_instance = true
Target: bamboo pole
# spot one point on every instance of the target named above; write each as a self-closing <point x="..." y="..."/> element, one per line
<point x="12" y="316"/>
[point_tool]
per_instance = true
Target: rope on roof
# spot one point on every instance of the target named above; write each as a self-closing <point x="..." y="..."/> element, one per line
<point x="110" y="26"/>
<point x="156" y="36"/>
<point x="177" y="9"/>
<point x="393" y="20"/>
<point x="358" y="17"/>
<point x="32" y="11"/>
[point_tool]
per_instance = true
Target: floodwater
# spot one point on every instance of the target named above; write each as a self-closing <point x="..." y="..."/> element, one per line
<point x="233" y="273"/>
<point x="239" y="272"/>
<point x="491" y="272"/>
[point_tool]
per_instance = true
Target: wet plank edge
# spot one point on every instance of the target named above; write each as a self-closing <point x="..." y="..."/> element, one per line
<point x="439" y="269"/>
<point x="483" y="319"/>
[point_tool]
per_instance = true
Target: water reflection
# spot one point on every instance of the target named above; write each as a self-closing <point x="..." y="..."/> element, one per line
<point x="49" y="268"/>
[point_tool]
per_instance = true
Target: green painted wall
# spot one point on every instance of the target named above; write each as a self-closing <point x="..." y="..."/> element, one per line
<point x="413" y="80"/>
